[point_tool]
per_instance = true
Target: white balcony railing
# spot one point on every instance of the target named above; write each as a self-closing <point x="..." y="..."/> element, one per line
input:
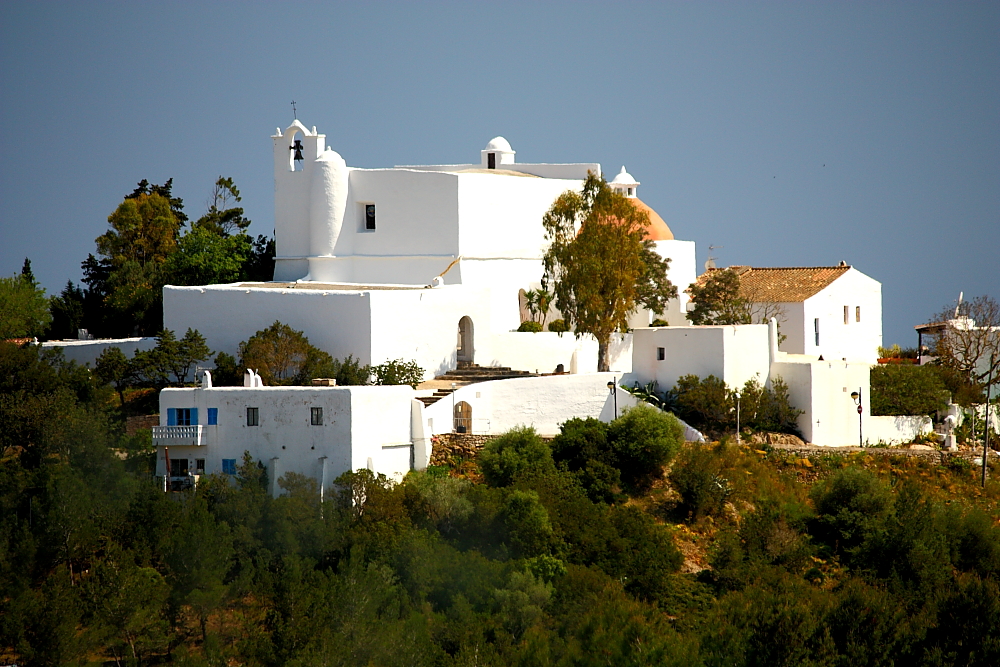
<point x="173" y="436"/>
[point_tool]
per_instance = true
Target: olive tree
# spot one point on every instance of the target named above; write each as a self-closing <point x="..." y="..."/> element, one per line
<point x="599" y="265"/>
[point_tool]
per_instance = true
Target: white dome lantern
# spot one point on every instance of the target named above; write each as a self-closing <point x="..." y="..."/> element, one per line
<point x="497" y="152"/>
<point x="625" y="184"/>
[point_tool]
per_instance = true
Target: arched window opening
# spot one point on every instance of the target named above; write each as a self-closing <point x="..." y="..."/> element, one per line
<point x="463" y="417"/>
<point x="296" y="158"/>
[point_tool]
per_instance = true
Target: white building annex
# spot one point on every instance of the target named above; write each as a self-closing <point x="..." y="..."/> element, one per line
<point x="424" y="262"/>
<point x="834" y="312"/>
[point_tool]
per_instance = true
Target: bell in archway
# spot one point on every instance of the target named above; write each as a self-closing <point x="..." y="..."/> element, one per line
<point x="297" y="147"/>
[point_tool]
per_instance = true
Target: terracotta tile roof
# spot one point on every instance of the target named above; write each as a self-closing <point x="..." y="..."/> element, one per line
<point x="783" y="284"/>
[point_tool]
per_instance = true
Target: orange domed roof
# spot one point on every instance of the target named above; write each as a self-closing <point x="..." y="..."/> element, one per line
<point x="657" y="230"/>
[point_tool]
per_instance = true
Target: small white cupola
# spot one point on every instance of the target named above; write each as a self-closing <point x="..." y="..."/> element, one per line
<point x="625" y="184"/>
<point x="497" y="152"/>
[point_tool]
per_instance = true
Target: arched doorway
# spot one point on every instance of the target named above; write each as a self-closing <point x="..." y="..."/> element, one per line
<point x="466" y="343"/>
<point x="463" y="417"/>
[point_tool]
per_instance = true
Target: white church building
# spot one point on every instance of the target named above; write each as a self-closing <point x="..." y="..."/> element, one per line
<point x="425" y="262"/>
<point x="430" y="263"/>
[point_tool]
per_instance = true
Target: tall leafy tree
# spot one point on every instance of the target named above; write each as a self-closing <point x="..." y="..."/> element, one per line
<point x="717" y="300"/>
<point x="222" y="218"/>
<point x="598" y="264"/>
<point x="67" y="310"/>
<point x="24" y="309"/>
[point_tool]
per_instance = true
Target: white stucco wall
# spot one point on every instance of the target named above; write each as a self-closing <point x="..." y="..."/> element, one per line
<point x="359" y="423"/>
<point x="338" y="322"/>
<point x="896" y="430"/>
<point x="855" y="341"/>
<point x="822" y="389"/>
<point x="543" y="403"/>
<point x="734" y="354"/>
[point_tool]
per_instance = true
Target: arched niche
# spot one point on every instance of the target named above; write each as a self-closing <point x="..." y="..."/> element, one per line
<point x="466" y="340"/>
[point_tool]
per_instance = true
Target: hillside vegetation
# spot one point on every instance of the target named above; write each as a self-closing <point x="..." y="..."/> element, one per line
<point x="611" y="545"/>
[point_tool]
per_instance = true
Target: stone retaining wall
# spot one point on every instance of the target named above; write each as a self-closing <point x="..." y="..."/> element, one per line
<point x="446" y="447"/>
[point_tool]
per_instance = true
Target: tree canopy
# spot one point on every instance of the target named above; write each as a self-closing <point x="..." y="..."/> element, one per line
<point x="968" y="347"/>
<point x="146" y="248"/>
<point x="24" y="308"/>
<point x="722" y="298"/>
<point x="598" y="265"/>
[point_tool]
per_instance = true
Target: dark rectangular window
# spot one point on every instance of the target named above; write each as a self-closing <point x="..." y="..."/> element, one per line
<point x="253" y="417"/>
<point x="229" y="466"/>
<point x="199" y="466"/>
<point x="213" y="416"/>
<point x="661" y="354"/>
<point x="178" y="467"/>
<point x="816" y="330"/>
<point x="491" y="160"/>
<point x="187" y="416"/>
<point x="369" y="216"/>
<point x="317" y="416"/>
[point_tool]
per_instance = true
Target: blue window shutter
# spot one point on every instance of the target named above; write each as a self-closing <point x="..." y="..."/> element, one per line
<point x="171" y="416"/>
<point x="213" y="416"/>
<point x="194" y="416"/>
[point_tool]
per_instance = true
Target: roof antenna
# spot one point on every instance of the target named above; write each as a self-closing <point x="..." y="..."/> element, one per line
<point x="957" y="307"/>
<point x="294" y="113"/>
<point x="710" y="263"/>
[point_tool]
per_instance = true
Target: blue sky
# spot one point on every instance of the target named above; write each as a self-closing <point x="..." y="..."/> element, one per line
<point x="789" y="134"/>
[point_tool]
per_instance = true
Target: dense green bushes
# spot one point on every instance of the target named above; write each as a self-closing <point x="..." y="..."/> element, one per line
<point x="905" y="389"/>
<point x="627" y="455"/>
<point x="821" y="564"/>
<point x="710" y="405"/>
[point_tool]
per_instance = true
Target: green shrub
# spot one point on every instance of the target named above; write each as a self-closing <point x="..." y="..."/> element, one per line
<point x="905" y="389"/>
<point x="530" y="327"/>
<point x="710" y="405"/>
<point x="642" y="441"/>
<point x="705" y="403"/>
<point x="581" y="448"/>
<point x="398" y="372"/>
<point x="558" y="326"/>
<point x="659" y="323"/>
<point x="697" y="477"/>
<point x="515" y="452"/>
<point x="849" y="507"/>
<point x="526" y="525"/>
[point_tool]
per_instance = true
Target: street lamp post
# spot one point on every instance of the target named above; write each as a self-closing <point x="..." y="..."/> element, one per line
<point x="611" y="388"/>
<point x="856" y="395"/>
<point x="453" y="425"/>
<point x="737" y="417"/>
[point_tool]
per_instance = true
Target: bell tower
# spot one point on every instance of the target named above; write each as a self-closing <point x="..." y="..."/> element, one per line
<point x="295" y="153"/>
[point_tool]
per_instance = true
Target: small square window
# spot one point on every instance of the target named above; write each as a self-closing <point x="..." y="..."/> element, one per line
<point x="253" y="417"/>
<point x="370" y="216"/>
<point x="213" y="416"/>
<point x="229" y="466"/>
<point x="857" y="313"/>
<point x="661" y="354"/>
<point x="317" y="416"/>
